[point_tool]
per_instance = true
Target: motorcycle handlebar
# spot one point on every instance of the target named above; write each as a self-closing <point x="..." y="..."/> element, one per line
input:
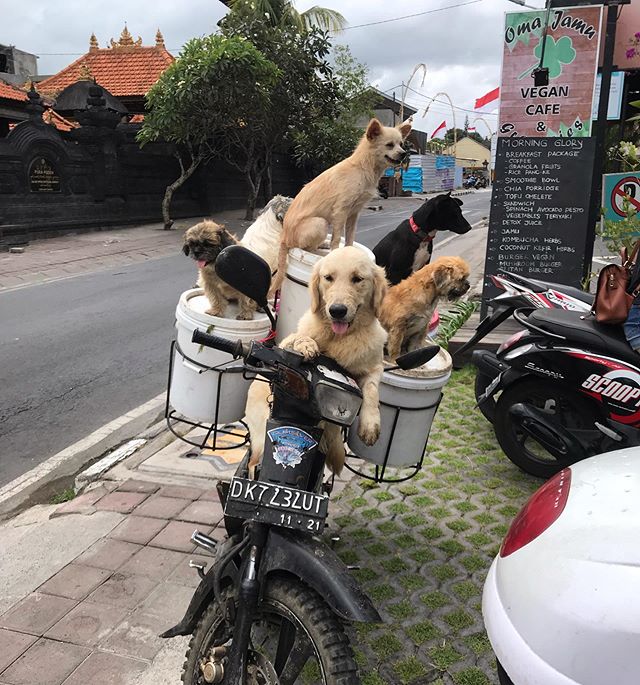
<point x="236" y="349"/>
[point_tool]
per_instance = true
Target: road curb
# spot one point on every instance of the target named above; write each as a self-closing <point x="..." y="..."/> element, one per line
<point x="39" y="484"/>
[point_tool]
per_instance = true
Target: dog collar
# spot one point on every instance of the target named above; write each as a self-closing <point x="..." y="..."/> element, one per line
<point x="415" y="228"/>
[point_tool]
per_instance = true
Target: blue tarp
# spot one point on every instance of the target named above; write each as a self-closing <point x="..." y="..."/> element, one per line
<point x="411" y="178"/>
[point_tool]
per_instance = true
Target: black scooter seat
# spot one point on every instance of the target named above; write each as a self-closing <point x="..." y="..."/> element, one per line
<point x="584" y="330"/>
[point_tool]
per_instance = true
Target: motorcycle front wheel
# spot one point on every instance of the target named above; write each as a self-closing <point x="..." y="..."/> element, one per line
<point x="295" y="639"/>
<point x="569" y="408"/>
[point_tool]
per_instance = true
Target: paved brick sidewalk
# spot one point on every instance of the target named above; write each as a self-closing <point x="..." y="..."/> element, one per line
<point x="71" y="255"/>
<point x="97" y="619"/>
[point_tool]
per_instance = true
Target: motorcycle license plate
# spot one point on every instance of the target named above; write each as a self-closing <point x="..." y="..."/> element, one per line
<point x="276" y="504"/>
<point x="490" y="388"/>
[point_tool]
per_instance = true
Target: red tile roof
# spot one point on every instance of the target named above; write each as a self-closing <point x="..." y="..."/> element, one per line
<point x="9" y="92"/>
<point x="127" y="69"/>
<point x="62" y="124"/>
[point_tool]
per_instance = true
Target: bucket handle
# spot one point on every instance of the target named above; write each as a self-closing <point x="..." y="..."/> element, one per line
<point x="193" y="367"/>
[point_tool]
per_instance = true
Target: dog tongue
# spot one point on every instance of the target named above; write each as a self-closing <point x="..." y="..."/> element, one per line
<point x="201" y="263"/>
<point x="339" y="327"/>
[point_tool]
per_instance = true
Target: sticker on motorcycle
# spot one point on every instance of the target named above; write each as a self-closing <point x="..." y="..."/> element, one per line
<point x="289" y="444"/>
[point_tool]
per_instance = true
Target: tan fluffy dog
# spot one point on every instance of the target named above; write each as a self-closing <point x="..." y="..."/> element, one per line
<point x="204" y="242"/>
<point x="336" y="197"/>
<point x="408" y="306"/>
<point x="347" y="290"/>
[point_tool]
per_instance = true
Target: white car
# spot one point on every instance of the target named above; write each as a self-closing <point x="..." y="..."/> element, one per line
<point x="561" y="602"/>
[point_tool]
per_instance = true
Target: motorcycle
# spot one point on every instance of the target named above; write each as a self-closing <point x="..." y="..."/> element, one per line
<point x="569" y="389"/>
<point x="271" y="607"/>
<point x="518" y="292"/>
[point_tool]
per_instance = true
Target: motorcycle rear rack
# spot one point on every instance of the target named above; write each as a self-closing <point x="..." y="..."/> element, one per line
<point x="213" y="430"/>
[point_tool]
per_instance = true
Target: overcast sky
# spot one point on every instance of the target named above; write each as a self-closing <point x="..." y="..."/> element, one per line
<point x="461" y="46"/>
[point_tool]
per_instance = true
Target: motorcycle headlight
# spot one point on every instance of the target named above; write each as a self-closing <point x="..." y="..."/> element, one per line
<point x="336" y="403"/>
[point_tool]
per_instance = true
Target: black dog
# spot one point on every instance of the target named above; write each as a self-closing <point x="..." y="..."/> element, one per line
<point x="409" y="246"/>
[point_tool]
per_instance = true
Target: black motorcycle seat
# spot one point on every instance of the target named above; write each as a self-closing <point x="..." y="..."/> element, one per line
<point x="583" y="329"/>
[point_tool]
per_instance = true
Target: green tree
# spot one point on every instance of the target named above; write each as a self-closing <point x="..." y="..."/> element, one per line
<point x="216" y="93"/>
<point x="337" y="124"/>
<point x="304" y="90"/>
<point x="283" y="12"/>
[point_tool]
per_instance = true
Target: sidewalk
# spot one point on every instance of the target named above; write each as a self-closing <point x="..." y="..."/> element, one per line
<point x="89" y="584"/>
<point x="74" y="254"/>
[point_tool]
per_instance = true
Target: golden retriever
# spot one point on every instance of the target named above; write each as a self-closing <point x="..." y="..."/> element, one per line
<point x="204" y="242"/>
<point x="347" y="290"/>
<point x="408" y="306"/>
<point x="335" y="198"/>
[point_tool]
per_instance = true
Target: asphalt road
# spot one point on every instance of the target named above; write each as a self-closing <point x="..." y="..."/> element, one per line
<point x="79" y="352"/>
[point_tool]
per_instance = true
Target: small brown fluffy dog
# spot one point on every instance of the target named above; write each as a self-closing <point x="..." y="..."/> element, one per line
<point x="204" y="242"/>
<point x="336" y="197"/>
<point x="409" y="305"/>
<point x="347" y="290"/>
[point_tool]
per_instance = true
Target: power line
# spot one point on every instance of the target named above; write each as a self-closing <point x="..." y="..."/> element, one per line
<point x="443" y="102"/>
<point x="410" y="16"/>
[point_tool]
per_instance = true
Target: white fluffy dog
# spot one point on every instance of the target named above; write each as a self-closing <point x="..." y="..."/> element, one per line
<point x="264" y="235"/>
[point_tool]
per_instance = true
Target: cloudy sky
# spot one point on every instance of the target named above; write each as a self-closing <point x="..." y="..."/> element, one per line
<point x="461" y="45"/>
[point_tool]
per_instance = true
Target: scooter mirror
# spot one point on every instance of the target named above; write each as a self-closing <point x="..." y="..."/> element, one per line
<point x="412" y="360"/>
<point x="245" y="271"/>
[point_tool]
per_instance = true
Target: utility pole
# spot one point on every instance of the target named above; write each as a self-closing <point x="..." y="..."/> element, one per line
<point x="613" y="8"/>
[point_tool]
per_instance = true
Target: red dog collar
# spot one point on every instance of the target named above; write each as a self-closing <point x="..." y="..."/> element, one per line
<point x="415" y="228"/>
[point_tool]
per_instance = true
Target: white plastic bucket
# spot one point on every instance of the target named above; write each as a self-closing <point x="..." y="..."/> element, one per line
<point x="408" y="404"/>
<point x="294" y="294"/>
<point x="196" y="372"/>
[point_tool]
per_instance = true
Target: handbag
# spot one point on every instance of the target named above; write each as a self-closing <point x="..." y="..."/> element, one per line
<point x="612" y="302"/>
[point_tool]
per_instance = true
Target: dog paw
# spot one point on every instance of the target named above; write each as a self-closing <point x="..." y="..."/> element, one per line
<point x="245" y="316"/>
<point x="307" y="347"/>
<point x="214" y="311"/>
<point x="369" y="431"/>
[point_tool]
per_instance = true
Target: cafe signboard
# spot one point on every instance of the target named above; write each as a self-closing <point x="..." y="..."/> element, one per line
<point x="563" y="107"/>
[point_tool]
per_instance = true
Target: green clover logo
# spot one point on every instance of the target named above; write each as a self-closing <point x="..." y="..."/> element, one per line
<point x="555" y="55"/>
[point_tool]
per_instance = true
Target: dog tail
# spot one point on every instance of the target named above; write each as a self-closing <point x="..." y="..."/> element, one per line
<point x="282" y="267"/>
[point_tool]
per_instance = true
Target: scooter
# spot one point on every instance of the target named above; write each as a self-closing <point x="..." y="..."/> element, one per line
<point x="518" y="292"/>
<point x="569" y="389"/>
<point x="271" y="607"/>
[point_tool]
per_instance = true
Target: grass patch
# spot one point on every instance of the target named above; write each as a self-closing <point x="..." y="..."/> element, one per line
<point x="401" y="610"/>
<point x="377" y="549"/>
<point x="412" y="582"/>
<point x="470" y="676"/>
<point x="444" y="572"/>
<point x="381" y="592"/>
<point x="458" y="619"/>
<point x="451" y="547"/>
<point x="409" y="490"/>
<point x="414" y="520"/>
<point x="434" y="600"/>
<point x="443" y="657"/>
<point x="358" y="502"/>
<point x="409" y="669"/>
<point x="458" y="526"/>
<point x="371" y="514"/>
<point x="422" y="632"/>
<point x="424" y="555"/>
<point x="393" y="565"/>
<point x="405" y="541"/>
<point x="466" y="590"/>
<point x="64" y="496"/>
<point x="365" y="575"/>
<point x="479" y="539"/>
<point x="388" y="527"/>
<point x="478" y="643"/>
<point x="372" y="678"/>
<point x="361" y="534"/>
<point x="465" y="506"/>
<point x="386" y="645"/>
<point x="484" y="519"/>
<point x="423" y="501"/>
<point x="399" y="508"/>
<point x="348" y="556"/>
<point x="383" y="496"/>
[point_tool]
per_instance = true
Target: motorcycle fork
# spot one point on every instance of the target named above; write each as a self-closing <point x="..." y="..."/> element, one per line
<point x="247" y="602"/>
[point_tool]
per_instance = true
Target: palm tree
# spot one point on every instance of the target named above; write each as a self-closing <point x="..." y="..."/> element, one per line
<point x="283" y="11"/>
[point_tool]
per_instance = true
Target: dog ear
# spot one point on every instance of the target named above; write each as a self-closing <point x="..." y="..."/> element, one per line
<point x="405" y="127"/>
<point x="374" y="129"/>
<point x="185" y="249"/>
<point x="379" y="289"/>
<point x="314" y="289"/>
<point x="442" y="276"/>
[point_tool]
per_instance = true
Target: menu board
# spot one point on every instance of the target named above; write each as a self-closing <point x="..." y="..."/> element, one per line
<point x="538" y="224"/>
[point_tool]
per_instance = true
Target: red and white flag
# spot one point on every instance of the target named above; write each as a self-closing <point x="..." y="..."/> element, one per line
<point x="489" y="101"/>
<point x="471" y="129"/>
<point x="442" y="127"/>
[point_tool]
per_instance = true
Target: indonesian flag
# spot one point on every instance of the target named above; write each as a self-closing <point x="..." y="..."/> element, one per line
<point x="471" y="129"/>
<point x="442" y="126"/>
<point x="488" y="102"/>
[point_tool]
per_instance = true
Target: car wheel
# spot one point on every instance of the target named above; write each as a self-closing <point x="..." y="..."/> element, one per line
<point x="502" y="675"/>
